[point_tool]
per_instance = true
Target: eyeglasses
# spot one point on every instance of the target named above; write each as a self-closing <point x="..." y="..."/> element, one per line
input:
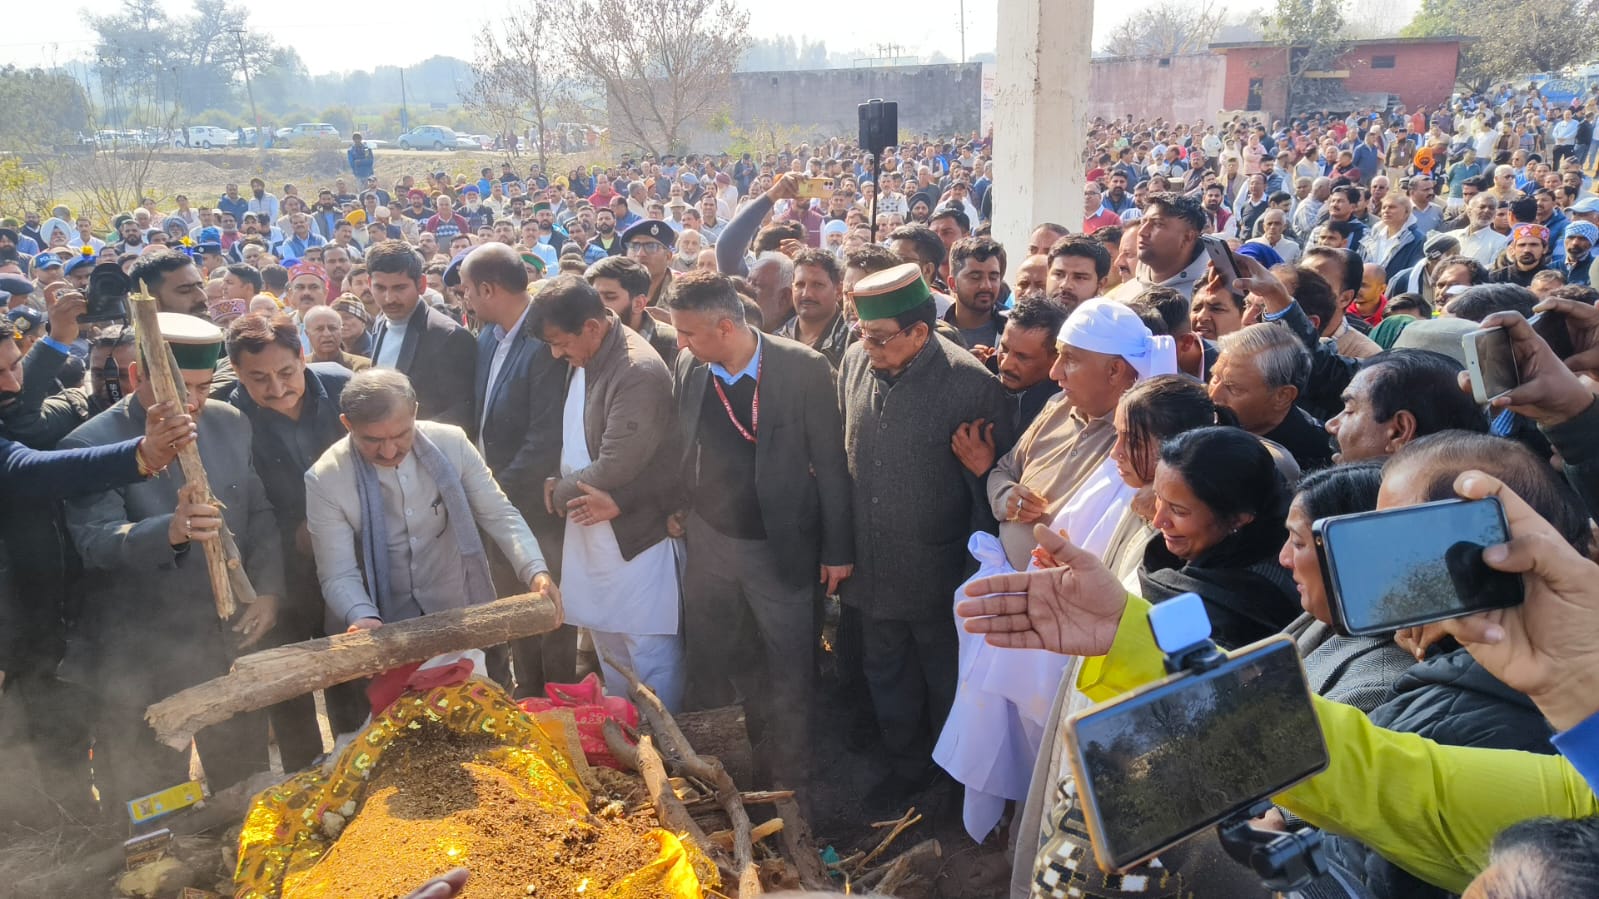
<point x="879" y="342"/>
<point x="640" y="247"/>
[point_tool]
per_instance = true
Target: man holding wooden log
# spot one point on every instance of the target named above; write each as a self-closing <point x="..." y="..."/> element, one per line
<point x="395" y="509"/>
<point x="150" y="613"/>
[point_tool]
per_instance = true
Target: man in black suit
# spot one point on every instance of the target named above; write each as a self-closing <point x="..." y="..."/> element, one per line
<point x="517" y="396"/>
<point x="436" y="353"/>
<point x="767" y="515"/>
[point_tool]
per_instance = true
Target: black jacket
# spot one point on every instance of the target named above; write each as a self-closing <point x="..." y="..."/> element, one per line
<point x="801" y="477"/>
<point x="1577" y="442"/>
<point x="521" y="432"/>
<point x="1247" y="595"/>
<point x="440" y="357"/>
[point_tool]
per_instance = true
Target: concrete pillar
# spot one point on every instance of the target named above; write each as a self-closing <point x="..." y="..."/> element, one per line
<point x="1040" y="106"/>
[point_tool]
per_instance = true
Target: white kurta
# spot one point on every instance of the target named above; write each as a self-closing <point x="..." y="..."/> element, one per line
<point x="600" y="589"/>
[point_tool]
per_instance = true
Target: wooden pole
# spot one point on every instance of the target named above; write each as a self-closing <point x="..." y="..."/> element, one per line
<point x="272" y="675"/>
<point x="157" y="367"/>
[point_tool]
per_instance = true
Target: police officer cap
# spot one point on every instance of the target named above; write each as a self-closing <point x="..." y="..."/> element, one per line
<point x="658" y="230"/>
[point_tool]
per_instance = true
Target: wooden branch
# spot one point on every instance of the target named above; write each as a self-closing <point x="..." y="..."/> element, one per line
<point x="272" y="675"/>
<point x="164" y="381"/>
<point x="897" y="873"/>
<point x="724" y="838"/>
<point x="800" y="847"/>
<point x="668" y="808"/>
<point x="900" y="827"/>
<point x="617" y="743"/>
<point x="755" y="797"/>
<point x="705" y="768"/>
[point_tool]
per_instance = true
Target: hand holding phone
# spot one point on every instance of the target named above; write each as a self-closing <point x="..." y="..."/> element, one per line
<point x="1547" y="391"/>
<point x="1490" y="363"/>
<point x="1222" y="262"/>
<point x="1398" y="568"/>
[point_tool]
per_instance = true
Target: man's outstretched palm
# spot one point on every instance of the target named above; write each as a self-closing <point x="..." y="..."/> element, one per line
<point x="1073" y="608"/>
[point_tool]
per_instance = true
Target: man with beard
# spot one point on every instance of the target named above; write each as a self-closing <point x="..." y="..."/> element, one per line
<point x="1580" y="238"/>
<point x="1117" y="199"/>
<point x="132" y="238"/>
<point x="548" y="232"/>
<point x="977" y="270"/>
<point x="606" y="240"/>
<point x="472" y="209"/>
<point x="818" y="320"/>
<point x="1216" y="212"/>
<point x="263" y="204"/>
<point x="337" y="262"/>
<point x="1527" y="254"/>
<point x="1077" y="268"/>
<point x="624" y="286"/>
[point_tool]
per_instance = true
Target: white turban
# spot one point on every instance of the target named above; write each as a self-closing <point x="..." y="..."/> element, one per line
<point x="1106" y="326"/>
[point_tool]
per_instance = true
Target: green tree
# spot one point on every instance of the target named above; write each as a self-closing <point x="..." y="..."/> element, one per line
<point x="1511" y="37"/>
<point x="1311" y="34"/>
<point x="43" y="110"/>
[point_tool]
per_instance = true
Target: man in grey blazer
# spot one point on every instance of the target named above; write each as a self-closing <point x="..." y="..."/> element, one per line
<point x="437" y="354"/>
<point x="767" y="512"/>
<point x="412" y="497"/>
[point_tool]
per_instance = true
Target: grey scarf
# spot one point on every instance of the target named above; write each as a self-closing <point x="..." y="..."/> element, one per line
<point x="375" y="533"/>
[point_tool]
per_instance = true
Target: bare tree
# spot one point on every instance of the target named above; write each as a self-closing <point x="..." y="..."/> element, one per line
<point x="660" y="65"/>
<point x="1169" y="29"/>
<point x="520" y="79"/>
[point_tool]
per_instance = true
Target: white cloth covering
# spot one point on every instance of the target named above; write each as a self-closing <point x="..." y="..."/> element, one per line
<point x="1110" y="327"/>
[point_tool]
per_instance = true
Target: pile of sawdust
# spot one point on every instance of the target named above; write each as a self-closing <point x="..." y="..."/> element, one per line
<point x="432" y="807"/>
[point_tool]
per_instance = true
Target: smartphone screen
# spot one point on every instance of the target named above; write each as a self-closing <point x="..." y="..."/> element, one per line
<point x="1399" y="567"/>
<point x="1171" y="760"/>
<point x="1491" y="364"/>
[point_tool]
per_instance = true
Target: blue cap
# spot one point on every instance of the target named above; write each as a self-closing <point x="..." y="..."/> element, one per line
<point x="15" y="286"/>
<point x="452" y="272"/>
<point x="210" y="235"/>
<point x="1586" y="205"/>
<point x="80" y="261"/>
<point x="209" y="246"/>
<point x="26" y="319"/>
<point x="46" y="260"/>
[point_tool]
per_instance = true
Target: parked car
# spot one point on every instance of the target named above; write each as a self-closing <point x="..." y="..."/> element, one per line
<point x="484" y="141"/>
<point x="207" y="136"/>
<point x="435" y="137"/>
<point x="305" y="131"/>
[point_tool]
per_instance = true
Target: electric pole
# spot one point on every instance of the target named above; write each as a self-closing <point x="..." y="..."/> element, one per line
<point x="963" y="30"/>
<point x="238" y="34"/>
<point x="405" y="124"/>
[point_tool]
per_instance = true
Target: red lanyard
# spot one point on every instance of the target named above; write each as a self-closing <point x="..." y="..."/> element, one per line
<point x="755" y="404"/>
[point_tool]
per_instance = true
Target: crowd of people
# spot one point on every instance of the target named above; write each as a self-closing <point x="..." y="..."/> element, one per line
<point x="697" y="401"/>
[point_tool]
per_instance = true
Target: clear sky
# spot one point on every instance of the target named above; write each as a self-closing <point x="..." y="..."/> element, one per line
<point x="321" y="31"/>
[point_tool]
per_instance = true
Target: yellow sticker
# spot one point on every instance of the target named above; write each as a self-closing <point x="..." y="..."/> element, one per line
<point x="165" y="802"/>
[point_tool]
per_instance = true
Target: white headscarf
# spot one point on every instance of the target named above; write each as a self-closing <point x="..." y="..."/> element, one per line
<point x="1106" y="326"/>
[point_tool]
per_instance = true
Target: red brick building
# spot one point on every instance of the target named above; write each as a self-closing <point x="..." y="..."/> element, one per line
<point x="1418" y="71"/>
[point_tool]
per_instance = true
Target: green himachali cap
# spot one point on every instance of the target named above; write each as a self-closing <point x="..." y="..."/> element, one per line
<point x="890" y="292"/>
<point x="196" y="343"/>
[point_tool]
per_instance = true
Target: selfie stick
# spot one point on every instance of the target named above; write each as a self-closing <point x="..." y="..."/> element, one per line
<point x="1284" y="861"/>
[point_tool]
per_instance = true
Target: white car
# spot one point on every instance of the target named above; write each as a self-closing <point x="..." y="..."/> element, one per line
<point x="207" y="136"/>
<point x="306" y="131"/>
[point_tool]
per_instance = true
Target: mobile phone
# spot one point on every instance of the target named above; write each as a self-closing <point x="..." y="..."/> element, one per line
<point x="1490" y="363"/>
<point x="1551" y="326"/>
<point x="1402" y="567"/>
<point x="1172" y="758"/>
<point x="1221" y="259"/>
<point x="815" y="188"/>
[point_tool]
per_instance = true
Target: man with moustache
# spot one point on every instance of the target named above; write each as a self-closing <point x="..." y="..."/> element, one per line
<point x="439" y="355"/>
<point x="1528" y="255"/>
<point x="1026" y="353"/>
<point x="977" y="269"/>
<point x="623" y="285"/>
<point x="818" y="320"/>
